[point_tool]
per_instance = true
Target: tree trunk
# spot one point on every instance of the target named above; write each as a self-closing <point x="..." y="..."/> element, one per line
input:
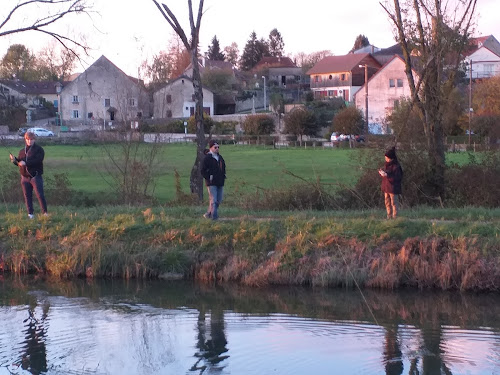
<point x="196" y="180"/>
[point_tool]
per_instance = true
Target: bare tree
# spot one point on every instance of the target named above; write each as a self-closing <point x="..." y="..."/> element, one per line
<point x="196" y="180"/>
<point x="56" y="10"/>
<point x="432" y="34"/>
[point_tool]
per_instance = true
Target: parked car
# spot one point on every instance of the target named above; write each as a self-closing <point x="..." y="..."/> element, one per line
<point x="41" y="132"/>
<point x="22" y="131"/>
<point x="335" y="137"/>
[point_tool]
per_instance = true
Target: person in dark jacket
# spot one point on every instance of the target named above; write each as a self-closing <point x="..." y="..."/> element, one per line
<point x="214" y="172"/>
<point x="30" y="163"/>
<point x="392" y="175"/>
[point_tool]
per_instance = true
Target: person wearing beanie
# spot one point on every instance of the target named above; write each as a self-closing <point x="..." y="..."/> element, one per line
<point x="30" y="163"/>
<point x="213" y="171"/>
<point x="392" y="175"/>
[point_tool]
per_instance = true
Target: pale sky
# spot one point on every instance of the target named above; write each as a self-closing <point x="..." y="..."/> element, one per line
<point x="130" y="31"/>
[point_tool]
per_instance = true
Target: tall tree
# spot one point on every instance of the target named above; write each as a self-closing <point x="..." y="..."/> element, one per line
<point x="55" y="63"/>
<point x="41" y="15"/>
<point x="232" y="53"/>
<point x="360" y="42"/>
<point x="437" y="35"/>
<point x="19" y="62"/>
<point x="196" y="180"/>
<point x="254" y="51"/>
<point x="276" y="43"/>
<point x="158" y="71"/>
<point x="214" y="52"/>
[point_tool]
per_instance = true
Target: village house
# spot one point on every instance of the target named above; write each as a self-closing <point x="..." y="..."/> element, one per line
<point x="224" y="99"/>
<point x="341" y="76"/>
<point x="28" y="94"/>
<point x="102" y="95"/>
<point x="484" y="58"/>
<point x="176" y="99"/>
<point x="386" y="88"/>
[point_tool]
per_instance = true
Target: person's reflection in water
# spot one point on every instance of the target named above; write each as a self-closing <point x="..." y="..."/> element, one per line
<point x="392" y="352"/>
<point x="212" y="343"/>
<point x="34" y="356"/>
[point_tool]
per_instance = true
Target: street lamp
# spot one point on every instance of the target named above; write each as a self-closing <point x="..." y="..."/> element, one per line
<point x="265" y="107"/>
<point x="59" y="87"/>
<point x="366" y="94"/>
<point x="470" y="96"/>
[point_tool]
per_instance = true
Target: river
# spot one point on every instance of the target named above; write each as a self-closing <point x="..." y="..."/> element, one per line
<point x="160" y="327"/>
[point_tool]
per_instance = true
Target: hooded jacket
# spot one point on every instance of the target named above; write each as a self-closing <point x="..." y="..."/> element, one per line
<point x="33" y="157"/>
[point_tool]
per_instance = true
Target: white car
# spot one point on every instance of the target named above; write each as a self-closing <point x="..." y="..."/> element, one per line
<point x="41" y="132"/>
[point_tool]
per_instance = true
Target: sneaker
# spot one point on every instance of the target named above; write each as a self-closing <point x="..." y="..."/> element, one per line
<point x="31" y="216"/>
<point x="207" y="215"/>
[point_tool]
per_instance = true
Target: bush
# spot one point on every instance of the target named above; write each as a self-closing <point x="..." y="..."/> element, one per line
<point x="208" y="123"/>
<point x="258" y="125"/>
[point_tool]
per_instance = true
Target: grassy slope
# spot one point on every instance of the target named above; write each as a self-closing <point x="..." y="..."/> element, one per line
<point x="427" y="248"/>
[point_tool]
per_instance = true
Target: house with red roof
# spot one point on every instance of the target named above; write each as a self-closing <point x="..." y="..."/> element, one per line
<point x="341" y="76"/>
<point x="485" y="57"/>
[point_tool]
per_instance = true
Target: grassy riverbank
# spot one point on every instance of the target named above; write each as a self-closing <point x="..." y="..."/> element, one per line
<point x="426" y="248"/>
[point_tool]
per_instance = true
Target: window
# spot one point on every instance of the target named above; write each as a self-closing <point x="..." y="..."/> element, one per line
<point x="330" y="77"/>
<point x="107" y="102"/>
<point x="342" y="77"/>
<point x="131" y="102"/>
<point x="139" y="114"/>
<point x="391" y="83"/>
<point x="400" y="82"/>
<point x="90" y="115"/>
<point x="75" y="98"/>
<point x="316" y="79"/>
<point x="169" y="98"/>
<point x="169" y="113"/>
<point x="75" y="114"/>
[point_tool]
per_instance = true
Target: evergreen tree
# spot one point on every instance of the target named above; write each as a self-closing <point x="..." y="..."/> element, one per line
<point x="276" y="43"/>
<point x="254" y="51"/>
<point x="214" y="52"/>
<point x="360" y="42"/>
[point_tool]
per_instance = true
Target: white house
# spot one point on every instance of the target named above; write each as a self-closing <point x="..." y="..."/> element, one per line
<point x="484" y="58"/>
<point x="176" y="99"/>
<point x="103" y="94"/>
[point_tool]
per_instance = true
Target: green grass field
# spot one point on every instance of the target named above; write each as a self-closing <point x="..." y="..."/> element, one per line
<point x="248" y="167"/>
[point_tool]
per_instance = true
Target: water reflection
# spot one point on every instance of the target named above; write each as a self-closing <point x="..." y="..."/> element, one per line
<point x="211" y="342"/>
<point x="103" y="327"/>
<point x="34" y="353"/>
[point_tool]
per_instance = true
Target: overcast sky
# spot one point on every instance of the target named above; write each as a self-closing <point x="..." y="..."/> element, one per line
<point x="130" y="31"/>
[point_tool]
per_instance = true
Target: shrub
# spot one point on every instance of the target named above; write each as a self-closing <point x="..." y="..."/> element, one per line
<point x="208" y="123"/>
<point x="258" y="125"/>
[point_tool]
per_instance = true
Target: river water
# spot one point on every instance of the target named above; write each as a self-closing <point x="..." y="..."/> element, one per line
<point x="159" y="327"/>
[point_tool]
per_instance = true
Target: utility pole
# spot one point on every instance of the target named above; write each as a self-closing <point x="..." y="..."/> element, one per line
<point x="470" y="98"/>
<point x="366" y="98"/>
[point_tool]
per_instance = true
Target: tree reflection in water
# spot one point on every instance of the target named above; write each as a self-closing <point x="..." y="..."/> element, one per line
<point x="211" y="341"/>
<point x="34" y="355"/>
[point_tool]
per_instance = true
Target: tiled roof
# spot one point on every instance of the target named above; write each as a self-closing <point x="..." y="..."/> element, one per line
<point x="31" y="88"/>
<point x="276" y="62"/>
<point x="333" y="64"/>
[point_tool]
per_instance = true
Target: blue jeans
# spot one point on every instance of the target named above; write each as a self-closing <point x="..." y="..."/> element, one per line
<point x="33" y="183"/>
<point x="215" y="199"/>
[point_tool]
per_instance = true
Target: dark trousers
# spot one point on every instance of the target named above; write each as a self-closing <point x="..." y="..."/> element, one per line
<point x="33" y="183"/>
